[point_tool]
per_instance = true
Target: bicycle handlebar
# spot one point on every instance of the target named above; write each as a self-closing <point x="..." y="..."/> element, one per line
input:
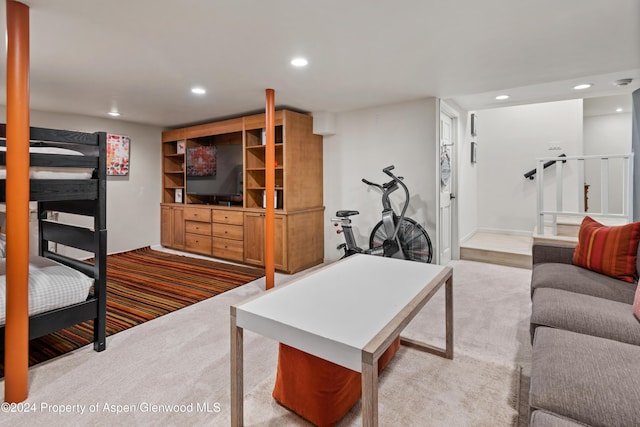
<point x="386" y="186"/>
<point x="372" y="183"/>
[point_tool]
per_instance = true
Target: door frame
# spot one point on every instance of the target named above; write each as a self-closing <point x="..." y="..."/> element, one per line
<point x="448" y="110"/>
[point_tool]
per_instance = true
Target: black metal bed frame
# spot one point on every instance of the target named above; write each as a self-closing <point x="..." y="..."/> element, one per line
<point x="75" y="196"/>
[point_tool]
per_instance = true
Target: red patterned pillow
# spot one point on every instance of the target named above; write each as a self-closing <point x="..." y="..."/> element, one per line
<point x="636" y="303"/>
<point x="608" y="250"/>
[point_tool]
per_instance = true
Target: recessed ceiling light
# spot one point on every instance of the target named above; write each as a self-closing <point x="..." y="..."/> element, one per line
<point x="583" y="86"/>
<point x="299" y="62"/>
<point x="618" y="110"/>
<point x="198" y="90"/>
<point x="113" y="113"/>
<point x="502" y="97"/>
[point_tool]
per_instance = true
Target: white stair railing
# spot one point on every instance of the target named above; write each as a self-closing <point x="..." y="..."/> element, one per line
<point x="605" y="211"/>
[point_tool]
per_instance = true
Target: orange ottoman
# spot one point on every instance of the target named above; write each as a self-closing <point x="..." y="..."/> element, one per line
<point x="317" y="390"/>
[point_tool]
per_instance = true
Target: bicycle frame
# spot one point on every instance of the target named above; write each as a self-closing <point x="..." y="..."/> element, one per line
<point x="391" y="222"/>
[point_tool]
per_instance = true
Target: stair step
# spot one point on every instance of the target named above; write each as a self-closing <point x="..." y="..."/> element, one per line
<point x="559" y="240"/>
<point x="565" y="232"/>
<point x="493" y="256"/>
<point x="498" y="248"/>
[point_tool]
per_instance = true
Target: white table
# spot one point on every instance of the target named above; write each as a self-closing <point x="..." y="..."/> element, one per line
<point x="348" y="313"/>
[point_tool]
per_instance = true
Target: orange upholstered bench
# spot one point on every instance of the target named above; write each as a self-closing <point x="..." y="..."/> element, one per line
<point x="317" y="390"/>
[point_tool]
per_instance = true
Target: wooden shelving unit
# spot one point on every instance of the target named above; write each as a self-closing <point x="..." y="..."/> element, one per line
<point x="255" y="168"/>
<point x="298" y="189"/>
<point x="173" y="174"/>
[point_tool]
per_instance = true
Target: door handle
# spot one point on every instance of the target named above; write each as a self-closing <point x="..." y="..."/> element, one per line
<point x="452" y="196"/>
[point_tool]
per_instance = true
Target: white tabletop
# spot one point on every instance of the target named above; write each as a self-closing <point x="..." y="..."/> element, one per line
<point x="334" y="312"/>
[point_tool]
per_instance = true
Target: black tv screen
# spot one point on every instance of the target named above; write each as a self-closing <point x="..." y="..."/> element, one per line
<point x="214" y="170"/>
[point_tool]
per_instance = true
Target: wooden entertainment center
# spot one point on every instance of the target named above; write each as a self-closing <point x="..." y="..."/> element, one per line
<point x="231" y="226"/>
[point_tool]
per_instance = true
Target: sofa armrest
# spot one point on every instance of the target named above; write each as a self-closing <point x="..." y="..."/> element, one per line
<point x="549" y="252"/>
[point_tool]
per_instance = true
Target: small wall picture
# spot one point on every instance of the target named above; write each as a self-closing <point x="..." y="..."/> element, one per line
<point x="178" y="195"/>
<point x="180" y="147"/>
<point x="117" y="155"/>
<point x="474" y="124"/>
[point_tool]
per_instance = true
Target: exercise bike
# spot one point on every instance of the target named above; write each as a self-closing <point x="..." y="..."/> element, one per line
<point x="394" y="236"/>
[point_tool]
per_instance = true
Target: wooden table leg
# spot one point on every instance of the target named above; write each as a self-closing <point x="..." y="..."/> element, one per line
<point x="237" y="384"/>
<point x="446" y="352"/>
<point x="449" y="318"/>
<point x="370" y="394"/>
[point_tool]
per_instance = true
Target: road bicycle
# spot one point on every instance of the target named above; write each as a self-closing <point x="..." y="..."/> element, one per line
<point x="395" y="235"/>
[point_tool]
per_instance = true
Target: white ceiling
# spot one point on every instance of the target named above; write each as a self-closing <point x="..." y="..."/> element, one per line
<point x="143" y="56"/>
<point x="605" y="105"/>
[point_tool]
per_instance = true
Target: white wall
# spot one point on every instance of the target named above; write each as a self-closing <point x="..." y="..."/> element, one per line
<point x="133" y="202"/>
<point x="606" y="134"/>
<point x="509" y="141"/>
<point x="365" y="142"/>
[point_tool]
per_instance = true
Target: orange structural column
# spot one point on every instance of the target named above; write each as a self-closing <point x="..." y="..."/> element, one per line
<point x="270" y="182"/>
<point x="16" y="365"/>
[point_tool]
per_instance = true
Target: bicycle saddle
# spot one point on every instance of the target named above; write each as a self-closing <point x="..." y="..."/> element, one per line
<point x="345" y="214"/>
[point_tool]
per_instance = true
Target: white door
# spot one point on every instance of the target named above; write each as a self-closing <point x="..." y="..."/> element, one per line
<point x="446" y="184"/>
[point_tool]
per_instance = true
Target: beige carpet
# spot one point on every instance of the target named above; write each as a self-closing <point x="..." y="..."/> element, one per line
<point x="181" y="360"/>
<point x="419" y="391"/>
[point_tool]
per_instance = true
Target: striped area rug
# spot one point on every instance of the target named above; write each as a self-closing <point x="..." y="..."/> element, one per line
<point x="141" y="285"/>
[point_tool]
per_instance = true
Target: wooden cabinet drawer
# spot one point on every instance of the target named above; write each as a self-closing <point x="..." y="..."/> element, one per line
<point x="229" y="249"/>
<point x="197" y="214"/>
<point x="225" y="231"/>
<point x="198" y="243"/>
<point x="228" y="217"/>
<point x="196" y="227"/>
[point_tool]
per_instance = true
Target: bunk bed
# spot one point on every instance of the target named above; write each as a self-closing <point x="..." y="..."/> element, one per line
<point x="68" y="182"/>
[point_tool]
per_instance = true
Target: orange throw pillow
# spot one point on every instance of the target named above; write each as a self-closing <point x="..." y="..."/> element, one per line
<point x="608" y="250"/>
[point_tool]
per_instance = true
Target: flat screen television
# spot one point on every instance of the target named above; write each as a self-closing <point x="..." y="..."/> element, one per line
<point x="214" y="170"/>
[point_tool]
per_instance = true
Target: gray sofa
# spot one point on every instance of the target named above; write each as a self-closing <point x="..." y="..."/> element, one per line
<point x="586" y="345"/>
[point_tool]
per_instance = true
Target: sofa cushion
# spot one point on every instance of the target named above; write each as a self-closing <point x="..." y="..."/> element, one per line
<point x="588" y="379"/>
<point x="608" y="250"/>
<point x="577" y="279"/>
<point x="584" y="314"/>
<point x="546" y="419"/>
<point x="552" y="252"/>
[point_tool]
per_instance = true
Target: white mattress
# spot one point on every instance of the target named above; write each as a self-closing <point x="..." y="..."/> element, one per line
<point x="51" y="285"/>
<point x="39" y="172"/>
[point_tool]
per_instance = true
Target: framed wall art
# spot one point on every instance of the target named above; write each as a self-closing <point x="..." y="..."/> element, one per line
<point x="202" y="161"/>
<point x="117" y="155"/>
<point x="474" y="124"/>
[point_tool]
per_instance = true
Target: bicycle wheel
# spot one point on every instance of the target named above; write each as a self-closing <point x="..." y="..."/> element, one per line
<point x="414" y="240"/>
